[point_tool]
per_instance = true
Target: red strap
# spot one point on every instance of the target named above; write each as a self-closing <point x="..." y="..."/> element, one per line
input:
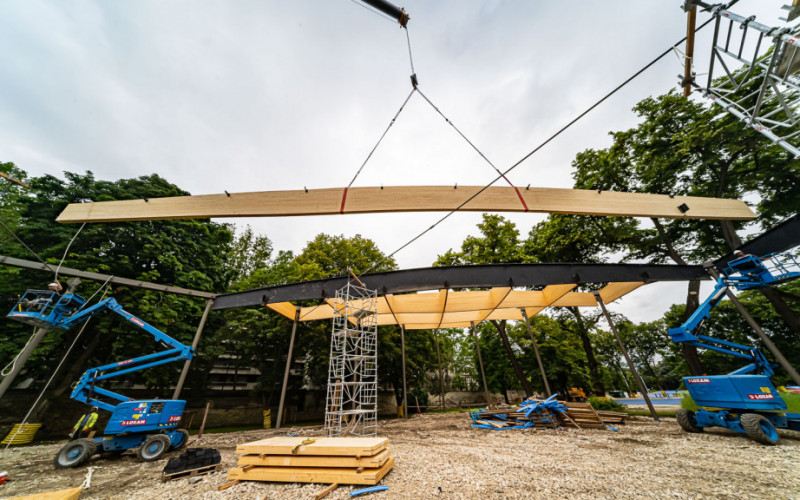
<point x="525" y="205"/>
<point x="344" y="198"/>
<point x="521" y="198"/>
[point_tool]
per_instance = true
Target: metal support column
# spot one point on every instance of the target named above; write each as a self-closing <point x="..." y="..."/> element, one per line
<point x="536" y="350"/>
<point x="195" y="341"/>
<point x="635" y="373"/>
<point x="441" y="377"/>
<point x="480" y="363"/>
<point x="288" y="366"/>
<point x="22" y="357"/>
<point x="755" y="326"/>
<point x="405" y="386"/>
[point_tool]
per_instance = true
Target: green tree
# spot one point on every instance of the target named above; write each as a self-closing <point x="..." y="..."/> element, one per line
<point x="187" y="253"/>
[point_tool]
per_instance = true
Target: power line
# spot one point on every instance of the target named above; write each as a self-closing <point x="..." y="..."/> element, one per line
<point x="537" y="148"/>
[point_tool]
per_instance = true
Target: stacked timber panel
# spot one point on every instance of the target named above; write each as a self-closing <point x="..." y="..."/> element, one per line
<point x="347" y="460"/>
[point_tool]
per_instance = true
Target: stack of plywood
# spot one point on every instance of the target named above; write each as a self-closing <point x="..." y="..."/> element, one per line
<point x="343" y="460"/>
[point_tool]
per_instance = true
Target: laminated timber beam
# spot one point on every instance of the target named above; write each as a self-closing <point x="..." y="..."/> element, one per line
<point x="365" y="200"/>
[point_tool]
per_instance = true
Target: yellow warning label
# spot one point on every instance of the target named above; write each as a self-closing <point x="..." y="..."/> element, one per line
<point x="766" y="389"/>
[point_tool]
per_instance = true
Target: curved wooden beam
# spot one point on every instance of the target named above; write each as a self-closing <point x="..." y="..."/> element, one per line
<point x="364" y="200"/>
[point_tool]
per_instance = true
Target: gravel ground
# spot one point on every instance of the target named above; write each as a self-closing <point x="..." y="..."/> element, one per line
<point x="441" y="456"/>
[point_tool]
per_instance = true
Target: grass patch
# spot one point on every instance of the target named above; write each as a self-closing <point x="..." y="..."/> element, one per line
<point x="646" y="413"/>
<point x="688" y="403"/>
<point x="792" y="401"/>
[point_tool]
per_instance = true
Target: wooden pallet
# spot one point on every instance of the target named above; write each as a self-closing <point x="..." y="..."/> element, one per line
<point x="200" y="471"/>
<point x="328" y="475"/>
<point x="374" y="461"/>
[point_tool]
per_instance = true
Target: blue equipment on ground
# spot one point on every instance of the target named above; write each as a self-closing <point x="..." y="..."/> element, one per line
<point x="150" y="426"/>
<point x="744" y="400"/>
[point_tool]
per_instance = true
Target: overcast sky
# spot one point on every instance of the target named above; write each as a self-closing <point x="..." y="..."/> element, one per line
<point x="265" y="95"/>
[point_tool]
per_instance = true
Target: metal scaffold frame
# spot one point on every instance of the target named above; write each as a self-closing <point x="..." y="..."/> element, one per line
<point x="758" y="83"/>
<point x="352" y="400"/>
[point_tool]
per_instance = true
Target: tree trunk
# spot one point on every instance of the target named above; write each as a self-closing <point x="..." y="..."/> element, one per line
<point x="692" y="300"/>
<point x="782" y="308"/>
<point x="594" y="368"/>
<point x="690" y="351"/>
<point x="526" y="385"/>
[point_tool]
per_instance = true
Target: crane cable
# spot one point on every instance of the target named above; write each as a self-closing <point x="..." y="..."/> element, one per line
<point x="537" y="148"/>
<point x="67" y="249"/>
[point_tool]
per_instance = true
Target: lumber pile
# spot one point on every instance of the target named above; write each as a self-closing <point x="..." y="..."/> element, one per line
<point x="613" y="417"/>
<point x="582" y="416"/>
<point x="342" y="460"/>
<point x="531" y="414"/>
<point x="547" y="414"/>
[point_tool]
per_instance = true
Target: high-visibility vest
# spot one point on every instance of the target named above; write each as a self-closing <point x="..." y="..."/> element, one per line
<point x="86" y="422"/>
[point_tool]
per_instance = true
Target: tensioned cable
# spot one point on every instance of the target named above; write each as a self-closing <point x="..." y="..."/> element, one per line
<point x="537" y="148"/>
<point x="382" y="136"/>
<point x="67" y="249"/>
<point x="410" y="57"/>
<point x="26" y="246"/>
<point x="465" y="138"/>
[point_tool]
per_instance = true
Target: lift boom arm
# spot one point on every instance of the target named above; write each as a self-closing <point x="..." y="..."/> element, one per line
<point x="85" y="390"/>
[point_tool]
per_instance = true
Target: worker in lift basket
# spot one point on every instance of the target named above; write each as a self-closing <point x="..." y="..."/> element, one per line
<point x="85" y="424"/>
<point x="55" y="287"/>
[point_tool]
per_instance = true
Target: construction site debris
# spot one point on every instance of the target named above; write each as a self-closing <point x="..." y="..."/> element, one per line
<point x="193" y="462"/>
<point x="547" y="414"/>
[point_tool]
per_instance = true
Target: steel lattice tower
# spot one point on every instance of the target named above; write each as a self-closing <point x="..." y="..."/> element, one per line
<point x="351" y="406"/>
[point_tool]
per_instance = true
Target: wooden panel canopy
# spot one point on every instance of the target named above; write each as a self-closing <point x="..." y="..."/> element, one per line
<point x="448" y="309"/>
<point x="408" y="199"/>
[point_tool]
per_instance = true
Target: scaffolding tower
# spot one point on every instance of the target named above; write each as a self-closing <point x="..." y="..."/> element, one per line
<point x="756" y="78"/>
<point x="351" y="406"/>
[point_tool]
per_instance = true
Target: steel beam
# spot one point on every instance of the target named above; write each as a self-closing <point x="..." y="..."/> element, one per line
<point x="780" y="238"/>
<point x="405" y="385"/>
<point x="536" y="351"/>
<point x="288" y="366"/>
<point x="635" y="372"/>
<point x="452" y="277"/>
<point x="480" y="363"/>
<point x="195" y="341"/>
<point x="38" y="266"/>
<point x="22" y="357"/>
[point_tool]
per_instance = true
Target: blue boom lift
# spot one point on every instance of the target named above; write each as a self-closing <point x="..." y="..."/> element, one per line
<point x="744" y="400"/>
<point x="148" y="425"/>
